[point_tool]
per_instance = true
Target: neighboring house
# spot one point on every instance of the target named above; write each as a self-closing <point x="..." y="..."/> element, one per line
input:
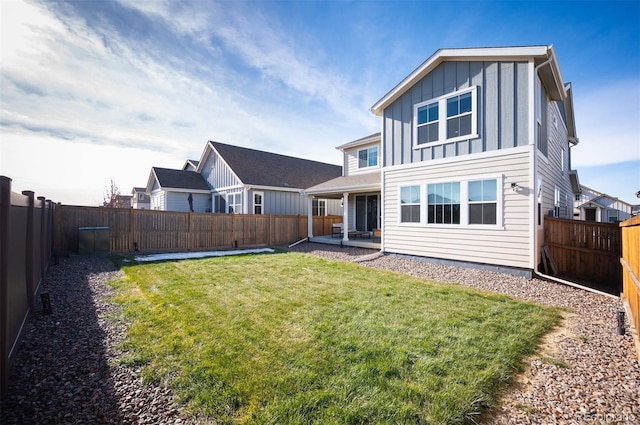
<point x="140" y="199"/>
<point x="358" y="187"/>
<point x="249" y="181"/>
<point x="475" y="150"/>
<point x="178" y="190"/>
<point x="591" y="205"/>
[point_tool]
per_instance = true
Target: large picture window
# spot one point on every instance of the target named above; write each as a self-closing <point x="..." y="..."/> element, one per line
<point x="483" y="202"/>
<point x="447" y="118"/>
<point x="470" y="202"/>
<point x="443" y="203"/>
<point x="410" y="204"/>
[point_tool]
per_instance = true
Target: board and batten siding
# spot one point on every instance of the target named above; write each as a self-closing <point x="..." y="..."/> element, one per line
<point x="502" y="110"/>
<point x="351" y="159"/>
<point x="506" y="246"/>
<point x="550" y="168"/>
<point x="288" y="203"/>
<point x="216" y="172"/>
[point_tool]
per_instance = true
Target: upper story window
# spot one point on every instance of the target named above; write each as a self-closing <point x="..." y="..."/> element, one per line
<point x="368" y="157"/>
<point x="459" y="122"/>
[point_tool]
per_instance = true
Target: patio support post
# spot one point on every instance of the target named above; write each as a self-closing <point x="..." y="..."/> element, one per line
<point x="310" y="216"/>
<point x="345" y="216"/>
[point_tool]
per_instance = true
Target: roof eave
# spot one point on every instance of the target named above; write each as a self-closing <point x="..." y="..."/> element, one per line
<point x="514" y="53"/>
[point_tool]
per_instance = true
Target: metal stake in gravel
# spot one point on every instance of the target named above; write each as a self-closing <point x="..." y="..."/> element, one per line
<point x="620" y="317"/>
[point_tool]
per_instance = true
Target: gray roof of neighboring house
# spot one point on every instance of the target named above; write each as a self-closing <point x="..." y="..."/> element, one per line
<point x="180" y="179"/>
<point x="261" y="168"/>
<point x="140" y="189"/>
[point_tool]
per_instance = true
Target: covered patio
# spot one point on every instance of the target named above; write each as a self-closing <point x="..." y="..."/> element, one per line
<point x="361" y="202"/>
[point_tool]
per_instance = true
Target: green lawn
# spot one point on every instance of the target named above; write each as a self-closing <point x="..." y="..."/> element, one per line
<point x="289" y="338"/>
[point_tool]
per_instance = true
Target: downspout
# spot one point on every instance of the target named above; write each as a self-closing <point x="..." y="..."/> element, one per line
<point x="534" y="171"/>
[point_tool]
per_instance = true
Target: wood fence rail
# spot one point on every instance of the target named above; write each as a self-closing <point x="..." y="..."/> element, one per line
<point x="157" y="231"/>
<point x="586" y="251"/>
<point x="26" y="240"/>
<point x="631" y="272"/>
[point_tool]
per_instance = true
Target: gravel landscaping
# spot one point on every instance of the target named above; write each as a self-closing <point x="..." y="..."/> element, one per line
<point x="67" y="368"/>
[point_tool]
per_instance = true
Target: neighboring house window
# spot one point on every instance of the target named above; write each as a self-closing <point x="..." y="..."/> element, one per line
<point x="613" y="216"/>
<point x="234" y="203"/>
<point x="368" y="157"/>
<point x="257" y="202"/>
<point x="459" y="123"/>
<point x="319" y="207"/>
<point x="141" y="196"/>
<point x="577" y="198"/>
<point x="410" y="204"/>
<point x="443" y="203"/>
<point x="556" y="202"/>
<point x="483" y="202"/>
<point x="562" y="160"/>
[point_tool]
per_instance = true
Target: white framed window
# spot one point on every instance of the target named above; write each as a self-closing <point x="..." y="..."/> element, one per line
<point x="465" y="203"/>
<point x="613" y="216"/>
<point x="577" y="197"/>
<point x="483" y="201"/>
<point x="410" y="204"/>
<point x="446" y="118"/>
<point x="443" y="203"/>
<point x="368" y="157"/>
<point x="140" y="196"/>
<point x="234" y="203"/>
<point x="562" y="167"/>
<point x="258" y="198"/>
<point x="319" y="207"/>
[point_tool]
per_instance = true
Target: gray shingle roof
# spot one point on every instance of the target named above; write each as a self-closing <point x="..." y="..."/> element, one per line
<point x="180" y="179"/>
<point x="256" y="167"/>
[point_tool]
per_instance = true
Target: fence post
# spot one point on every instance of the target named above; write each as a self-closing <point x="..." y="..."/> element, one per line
<point x="30" y="284"/>
<point x="5" y="208"/>
<point x="42" y="242"/>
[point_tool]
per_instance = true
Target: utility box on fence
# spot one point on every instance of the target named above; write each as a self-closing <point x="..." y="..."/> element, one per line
<point x="93" y="240"/>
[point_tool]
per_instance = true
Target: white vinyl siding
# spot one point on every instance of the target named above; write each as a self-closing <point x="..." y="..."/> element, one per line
<point x="352" y="159"/>
<point x="506" y="245"/>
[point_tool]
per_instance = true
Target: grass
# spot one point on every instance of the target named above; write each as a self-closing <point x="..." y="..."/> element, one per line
<point x="293" y="339"/>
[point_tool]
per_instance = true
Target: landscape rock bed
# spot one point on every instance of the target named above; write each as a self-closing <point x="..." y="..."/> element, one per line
<point x="67" y="369"/>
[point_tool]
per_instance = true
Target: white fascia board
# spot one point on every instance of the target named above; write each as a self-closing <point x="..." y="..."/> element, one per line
<point x="374" y="138"/>
<point x="150" y="180"/>
<point x="342" y="189"/>
<point x="274" y="188"/>
<point x="476" y="54"/>
<point x="209" y="146"/>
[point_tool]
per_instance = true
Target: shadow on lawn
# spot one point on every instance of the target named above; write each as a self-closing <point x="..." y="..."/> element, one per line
<point x="61" y="372"/>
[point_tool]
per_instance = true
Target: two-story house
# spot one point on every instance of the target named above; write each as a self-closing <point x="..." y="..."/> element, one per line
<point x="140" y="198"/>
<point x="474" y="151"/>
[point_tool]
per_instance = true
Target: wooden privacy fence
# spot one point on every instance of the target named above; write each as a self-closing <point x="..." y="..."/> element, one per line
<point x="584" y="250"/>
<point x="26" y="237"/>
<point x="631" y="272"/>
<point x="156" y="231"/>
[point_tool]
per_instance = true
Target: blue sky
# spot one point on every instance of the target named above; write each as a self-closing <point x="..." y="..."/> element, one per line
<point x="94" y="90"/>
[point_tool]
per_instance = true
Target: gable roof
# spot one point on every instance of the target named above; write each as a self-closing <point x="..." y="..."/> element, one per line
<point x="178" y="179"/>
<point x="139" y="189"/>
<point x="549" y="72"/>
<point x="190" y="163"/>
<point x="254" y="167"/>
<point x="372" y="138"/>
